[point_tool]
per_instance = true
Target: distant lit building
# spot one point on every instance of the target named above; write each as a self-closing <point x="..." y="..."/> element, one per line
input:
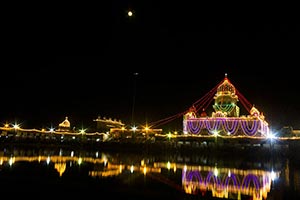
<point x="64" y="126"/>
<point x="289" y="131"/>
<point x="105" y="125"/>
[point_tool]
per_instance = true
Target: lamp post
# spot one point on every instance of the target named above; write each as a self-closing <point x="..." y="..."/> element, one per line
<point x="133" y="99"/>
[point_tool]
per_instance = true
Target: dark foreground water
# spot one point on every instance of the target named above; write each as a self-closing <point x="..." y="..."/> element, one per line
<point x="37" y="173"/>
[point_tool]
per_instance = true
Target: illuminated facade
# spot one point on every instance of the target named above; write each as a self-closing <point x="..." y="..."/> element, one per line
<point x="226" y="120"/>
<point x="64" y="126"/>
<point x="105" y="125"/>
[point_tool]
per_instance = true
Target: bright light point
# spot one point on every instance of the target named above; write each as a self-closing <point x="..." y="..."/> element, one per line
<point x="130" y="13"/>
<point x="169" y="135"/>
<point x="273" y="176"/>
<point x="215" y="133"/>
<point x="82" y="131"/>
<point x="16" y="126"/>
<point x="271" y="136"/>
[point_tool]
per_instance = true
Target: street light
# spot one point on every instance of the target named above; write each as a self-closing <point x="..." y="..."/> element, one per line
<point x="134" y="96"/>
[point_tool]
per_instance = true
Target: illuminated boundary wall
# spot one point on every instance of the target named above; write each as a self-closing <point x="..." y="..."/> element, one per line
<point x="234" y="126"/>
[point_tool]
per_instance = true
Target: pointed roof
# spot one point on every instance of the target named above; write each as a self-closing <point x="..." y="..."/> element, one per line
<point x="65" y="123"/>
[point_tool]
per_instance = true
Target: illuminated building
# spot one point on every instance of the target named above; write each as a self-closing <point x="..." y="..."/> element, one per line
<point x="226" y="120"/>
<point x="104" y="125"/>
<point x="64" y="126"/>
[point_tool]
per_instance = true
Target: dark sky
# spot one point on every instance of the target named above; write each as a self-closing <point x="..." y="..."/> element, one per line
<point x="179" y="50"/>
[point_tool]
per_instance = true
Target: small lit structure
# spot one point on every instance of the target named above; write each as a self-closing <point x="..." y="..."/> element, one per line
<point x="104" y="125"/>
<point x="134" y="131"/>
<point x="64" y="126"/>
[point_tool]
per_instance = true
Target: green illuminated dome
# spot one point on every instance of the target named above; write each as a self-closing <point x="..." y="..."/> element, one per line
<point x="226" y="99"/>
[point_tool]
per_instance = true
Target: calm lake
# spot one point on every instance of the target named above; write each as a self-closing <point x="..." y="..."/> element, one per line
<point x="38" y="173"/>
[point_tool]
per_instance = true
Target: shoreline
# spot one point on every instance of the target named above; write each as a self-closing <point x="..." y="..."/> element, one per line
<point x="161" y="147"/>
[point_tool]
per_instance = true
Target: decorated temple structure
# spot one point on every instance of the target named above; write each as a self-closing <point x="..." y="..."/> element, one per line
<point x="64" y="126"/>
<point x="225" y="120"/>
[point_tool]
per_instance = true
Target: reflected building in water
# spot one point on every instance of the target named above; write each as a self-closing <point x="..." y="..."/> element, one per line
<point x="196" y="179"/>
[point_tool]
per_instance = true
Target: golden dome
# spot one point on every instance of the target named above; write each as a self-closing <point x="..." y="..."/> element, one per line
<point x="65" y="123"/>
<point x="226" y="88"/>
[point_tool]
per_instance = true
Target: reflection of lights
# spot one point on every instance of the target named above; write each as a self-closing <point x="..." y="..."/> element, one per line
<point x="168" y="165"/>
<point x="105" y="160"/>
<point x="216" y="172"/>
<point x="11" y="161"/>
<point x="48" y="160"/>
<point x="249" y="182"/>
<point x="79" y="161"/>
<point x="131" y="168"/>
<point x="145" y="170"/>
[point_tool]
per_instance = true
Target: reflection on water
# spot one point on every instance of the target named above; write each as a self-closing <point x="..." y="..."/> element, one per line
<point x="193" y="176"/>
<point x="225" y="181"/>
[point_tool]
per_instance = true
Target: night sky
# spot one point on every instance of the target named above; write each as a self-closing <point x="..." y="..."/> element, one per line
<point x="159" y="61"/>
